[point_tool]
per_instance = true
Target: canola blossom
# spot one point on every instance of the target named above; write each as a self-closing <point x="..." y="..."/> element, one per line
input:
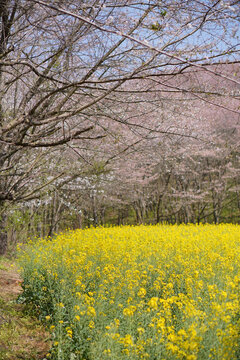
<point x="138" y="292"/>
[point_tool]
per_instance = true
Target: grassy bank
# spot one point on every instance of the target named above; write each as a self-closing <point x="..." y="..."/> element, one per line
<point x="21" y="335"/>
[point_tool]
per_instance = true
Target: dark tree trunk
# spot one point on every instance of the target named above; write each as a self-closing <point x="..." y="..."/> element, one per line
<point x="3" y="232"/>
<point x="3" y="242"/>
<point x="158" y="208"/>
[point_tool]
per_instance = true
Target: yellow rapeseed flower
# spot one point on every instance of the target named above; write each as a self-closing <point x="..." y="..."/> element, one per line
<point x="170" y="288"/>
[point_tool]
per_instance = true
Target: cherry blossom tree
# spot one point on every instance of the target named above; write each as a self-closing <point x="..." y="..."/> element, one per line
<point x="82" y="77"/>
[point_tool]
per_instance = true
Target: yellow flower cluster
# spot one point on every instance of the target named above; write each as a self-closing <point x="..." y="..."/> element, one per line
<point x="146" y="292"/>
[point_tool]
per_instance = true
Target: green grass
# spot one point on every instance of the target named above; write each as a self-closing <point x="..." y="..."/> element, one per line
<point x="22" y="336"/>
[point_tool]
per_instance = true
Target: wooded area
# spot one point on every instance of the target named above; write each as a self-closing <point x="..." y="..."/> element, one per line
<point x="115" y="112"/>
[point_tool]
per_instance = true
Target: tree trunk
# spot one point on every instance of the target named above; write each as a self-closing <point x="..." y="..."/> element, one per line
<point x="3" y="232"/>
<point x="158" y="208"/>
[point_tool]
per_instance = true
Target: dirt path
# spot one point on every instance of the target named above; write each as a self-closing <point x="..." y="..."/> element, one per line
<point x="9" y="283"/>
<point x="21" y="335"/>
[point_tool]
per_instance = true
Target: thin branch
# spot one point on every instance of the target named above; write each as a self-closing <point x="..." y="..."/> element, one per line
<point x="134" y="39"/>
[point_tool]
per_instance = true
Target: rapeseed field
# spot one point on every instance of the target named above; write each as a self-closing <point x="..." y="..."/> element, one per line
<point x="146" y="292"/>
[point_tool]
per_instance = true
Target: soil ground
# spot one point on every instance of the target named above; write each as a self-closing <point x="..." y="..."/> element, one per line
<point x="21" y="335"/>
